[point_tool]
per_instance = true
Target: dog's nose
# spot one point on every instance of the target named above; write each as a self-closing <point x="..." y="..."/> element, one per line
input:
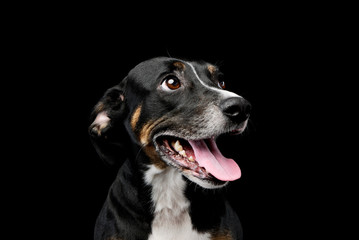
<point x="236" y="108"/>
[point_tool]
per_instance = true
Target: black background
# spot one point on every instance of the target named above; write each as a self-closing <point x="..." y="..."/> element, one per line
<point x="60" y="69"/>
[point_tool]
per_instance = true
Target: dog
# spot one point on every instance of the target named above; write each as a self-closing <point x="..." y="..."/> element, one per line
<point x="159" y="125"/>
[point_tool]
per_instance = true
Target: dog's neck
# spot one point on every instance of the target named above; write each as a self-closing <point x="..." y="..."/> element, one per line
<point x="171" y="207"/>
<point x="167" y="190"/>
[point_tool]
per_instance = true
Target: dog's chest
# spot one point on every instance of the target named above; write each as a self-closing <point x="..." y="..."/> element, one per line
<point x="171" y="218"/>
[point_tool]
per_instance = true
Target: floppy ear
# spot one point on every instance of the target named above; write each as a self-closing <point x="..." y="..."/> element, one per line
<point x="108" y="134"/>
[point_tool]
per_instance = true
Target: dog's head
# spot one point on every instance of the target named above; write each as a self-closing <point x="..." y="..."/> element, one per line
<point x="174" y="110"/>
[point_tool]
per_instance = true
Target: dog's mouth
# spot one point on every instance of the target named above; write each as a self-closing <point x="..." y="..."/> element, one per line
<point x="200" y="158"/>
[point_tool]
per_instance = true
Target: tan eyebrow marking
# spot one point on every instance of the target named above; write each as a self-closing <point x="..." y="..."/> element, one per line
<point x="180" y="66"/>
<point x="212" y="69"/>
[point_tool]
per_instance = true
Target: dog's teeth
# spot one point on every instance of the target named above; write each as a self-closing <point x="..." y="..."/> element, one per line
<point x="177" y="146"/>
<point x="183" y="153"/>
<point x="191" y="159"/>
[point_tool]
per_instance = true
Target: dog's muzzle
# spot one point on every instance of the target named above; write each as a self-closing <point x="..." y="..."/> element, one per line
<point x="198" y="155"/>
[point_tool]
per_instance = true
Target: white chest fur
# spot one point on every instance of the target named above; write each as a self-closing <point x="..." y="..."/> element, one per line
<point x="171" y="221"/>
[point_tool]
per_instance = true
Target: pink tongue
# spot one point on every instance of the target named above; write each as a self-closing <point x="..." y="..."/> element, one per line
<point x="214" y="162"/>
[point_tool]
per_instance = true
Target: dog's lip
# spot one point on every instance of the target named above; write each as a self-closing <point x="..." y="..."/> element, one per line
<point x="240" y="129"/>
<point x="235" y="130"/>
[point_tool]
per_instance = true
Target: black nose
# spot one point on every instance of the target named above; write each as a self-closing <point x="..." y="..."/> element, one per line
<point x="236" y="108"/>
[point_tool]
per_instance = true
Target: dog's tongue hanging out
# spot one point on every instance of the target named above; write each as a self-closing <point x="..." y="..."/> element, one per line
<point x="214" y="162"/>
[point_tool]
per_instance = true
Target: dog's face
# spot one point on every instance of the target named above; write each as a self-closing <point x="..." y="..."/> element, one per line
<point x="175" y="110"/>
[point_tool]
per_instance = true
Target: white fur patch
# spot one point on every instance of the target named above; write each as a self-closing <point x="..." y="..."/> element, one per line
<point x="101" y="121"/>
<point x="172" y="220"/>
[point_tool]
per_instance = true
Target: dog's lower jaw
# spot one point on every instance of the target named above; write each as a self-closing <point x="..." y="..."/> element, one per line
<point x="171" y="207"/>
<point x="204" y="183"/>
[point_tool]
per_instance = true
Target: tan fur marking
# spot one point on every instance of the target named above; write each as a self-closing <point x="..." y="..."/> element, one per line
<point x="212" y="69"/>
<point x="222" y="235"/>
<point x="114" y="238"/>
<point x="135" y="117"/>
<point x="146" y="130"/>
<point x="99" y="107"/>
<point x="155" y="158"/>
<point x="180" y="66"/>
<point x="149" y="148"/>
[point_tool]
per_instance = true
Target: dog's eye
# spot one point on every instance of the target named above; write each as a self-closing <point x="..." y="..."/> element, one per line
<point x="222" y="84"/>
<point x="171" y="83"/>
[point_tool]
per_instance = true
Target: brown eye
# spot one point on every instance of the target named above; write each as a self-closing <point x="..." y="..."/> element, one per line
<point x="171" y="83"/>
<point x="222" y="84"/>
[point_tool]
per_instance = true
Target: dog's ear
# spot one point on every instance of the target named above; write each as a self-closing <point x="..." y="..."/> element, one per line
<point x="107" y="132"/>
